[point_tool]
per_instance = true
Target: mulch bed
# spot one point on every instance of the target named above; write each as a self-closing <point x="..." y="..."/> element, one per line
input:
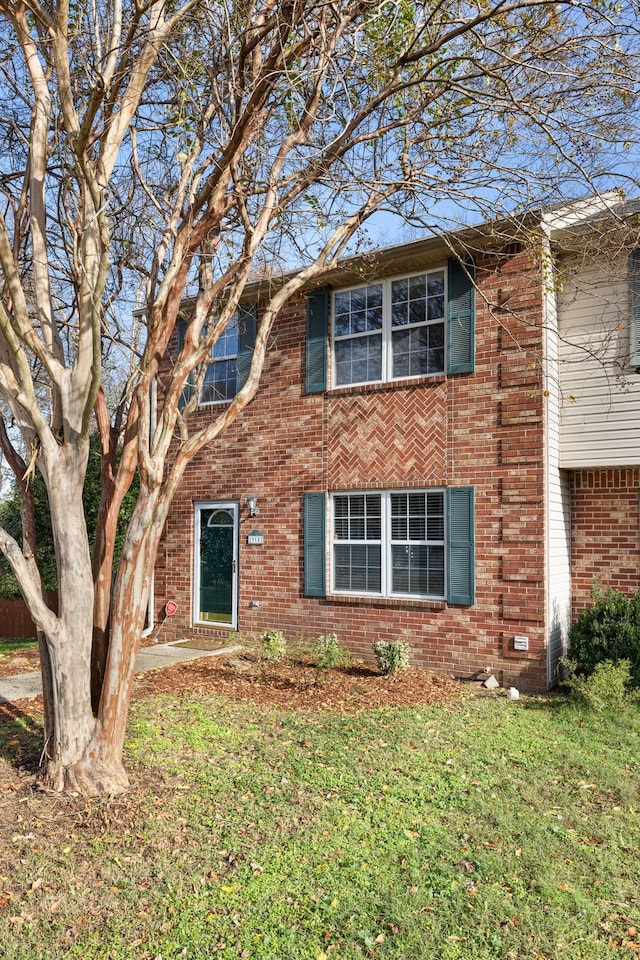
<point x="22" y="661"/>
<point x="298" y="685"/>
<point x="294" y="684"/>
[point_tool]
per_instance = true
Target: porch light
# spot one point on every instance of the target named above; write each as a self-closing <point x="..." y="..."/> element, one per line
<point x="252" y="504"/>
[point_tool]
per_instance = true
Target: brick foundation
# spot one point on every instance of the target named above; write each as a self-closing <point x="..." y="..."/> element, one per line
<point x="605" y="532"/>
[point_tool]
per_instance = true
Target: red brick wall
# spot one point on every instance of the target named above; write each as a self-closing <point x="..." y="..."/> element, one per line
<point x="482" y="429"/>
<point x="605" y="532"/>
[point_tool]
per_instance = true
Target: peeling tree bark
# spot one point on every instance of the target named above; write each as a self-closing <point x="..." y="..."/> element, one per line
<point x="70" y="640"/>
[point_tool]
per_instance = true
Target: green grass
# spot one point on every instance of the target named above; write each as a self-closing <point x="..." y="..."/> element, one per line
<point x="13" y="646"/>
<point x="484" y="830"/>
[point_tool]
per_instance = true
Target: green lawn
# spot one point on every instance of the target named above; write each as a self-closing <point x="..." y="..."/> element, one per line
<point x="488" y="829"/>
<point x="14" y="646"/>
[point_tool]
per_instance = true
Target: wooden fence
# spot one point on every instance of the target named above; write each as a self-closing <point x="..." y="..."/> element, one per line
<point x="15" y="621"/>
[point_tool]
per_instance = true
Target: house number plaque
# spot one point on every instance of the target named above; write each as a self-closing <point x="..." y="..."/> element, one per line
<point x="255" y="538"/>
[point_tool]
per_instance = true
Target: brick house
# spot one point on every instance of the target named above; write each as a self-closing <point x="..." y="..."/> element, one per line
<point x="435" y="455"/>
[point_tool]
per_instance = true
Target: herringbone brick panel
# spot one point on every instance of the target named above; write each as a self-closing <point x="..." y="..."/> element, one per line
<point x="398" y="437"/>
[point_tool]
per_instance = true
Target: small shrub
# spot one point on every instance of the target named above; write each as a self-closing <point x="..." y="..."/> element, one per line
<point x="298" y="647"/>
<point x="391" y="656"/>
<point x="273" y="645"/>
<point x="607" y="688"/>
<point x="607" y="631"/>
<point x="328" y="652"/>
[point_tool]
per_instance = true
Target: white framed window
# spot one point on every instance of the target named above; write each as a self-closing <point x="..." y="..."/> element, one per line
<point x="390" y="330"/>
<point x="221" y="375"/>
<point x="390" y="544"/>
<point x="229" y="362"/>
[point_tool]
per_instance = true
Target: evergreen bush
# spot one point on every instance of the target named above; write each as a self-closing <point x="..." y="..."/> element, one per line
<point x="391" y="656"/>
<point x="606" y="689"/>
<point x="609" y="630"/>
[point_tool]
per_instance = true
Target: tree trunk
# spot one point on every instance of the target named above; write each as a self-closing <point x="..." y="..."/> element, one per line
<point x="68" y="641"/>
<point x="128" y="611"/>
<point x="102" y="580"/>
<point x="72" y="717"/>
<point x="114" y="484"/>
<point x="83" y="751"/>
<point x="47" y="691"/>
<point x="30" y="551"/>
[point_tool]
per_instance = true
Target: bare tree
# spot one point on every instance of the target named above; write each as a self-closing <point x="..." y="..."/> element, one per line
<point x="182" y="149"/>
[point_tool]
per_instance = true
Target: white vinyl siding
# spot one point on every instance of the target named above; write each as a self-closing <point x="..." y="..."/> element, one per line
<point x="599" y="389"/>
<point x="558" y="508"/>
<point x="634" y="311"/>
<point x="558" y="570"/>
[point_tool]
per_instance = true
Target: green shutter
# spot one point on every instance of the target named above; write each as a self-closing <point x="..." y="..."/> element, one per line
<point x="460" y="546"/>
<point x="460" y="317"/>
<point x="314" y="545"/>
<point x="634" y="311"/>
<point x="247" y="329"/>
<point x="188" y="389"/>
<point x="317" y="337"/>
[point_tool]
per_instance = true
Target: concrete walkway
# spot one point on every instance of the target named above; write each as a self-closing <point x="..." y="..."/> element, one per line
<point x="25" y="685"/>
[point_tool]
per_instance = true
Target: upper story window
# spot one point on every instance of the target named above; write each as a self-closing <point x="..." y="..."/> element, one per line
<point x="390" y="330"/>
<point x="221" y="375"/>
<point x="229" y="361"/>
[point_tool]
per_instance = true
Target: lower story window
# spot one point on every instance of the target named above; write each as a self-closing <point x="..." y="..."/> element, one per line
<point x="390" y="544"/>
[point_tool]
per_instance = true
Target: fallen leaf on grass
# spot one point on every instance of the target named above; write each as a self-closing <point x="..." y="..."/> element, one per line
<point x="18" y="920"/>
